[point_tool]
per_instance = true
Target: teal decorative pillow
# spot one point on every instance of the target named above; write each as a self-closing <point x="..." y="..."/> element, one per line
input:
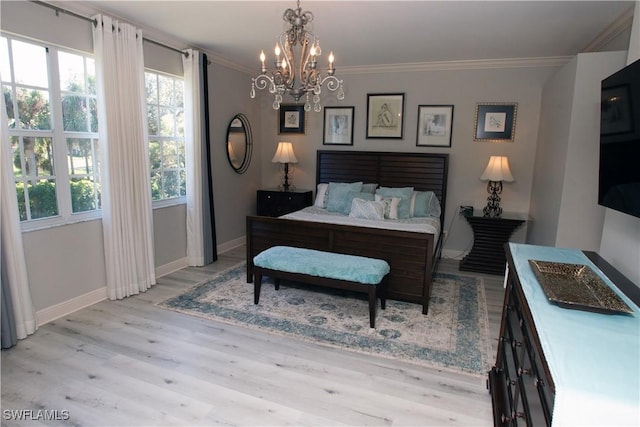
<point x="354" y="195"/>
<point x="405" y="198"/>
<point x="338" y="200"/>
<point x="424" y="204"/>
<point x="369" y="188"/>
<point x="367" y="209"/>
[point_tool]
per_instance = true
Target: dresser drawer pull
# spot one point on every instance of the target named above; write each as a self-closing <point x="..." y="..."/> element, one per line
<point x="538" y="382"/>
<point x="504" y="418"/>
<point x="522" y="372"/>
<point x="515" y="343"/>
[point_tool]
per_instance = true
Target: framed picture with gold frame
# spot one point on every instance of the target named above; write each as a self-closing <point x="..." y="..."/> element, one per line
<point x="495" y="122"/>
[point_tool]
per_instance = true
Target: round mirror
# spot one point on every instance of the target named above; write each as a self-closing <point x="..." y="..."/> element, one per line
<point x="239" y="143"/>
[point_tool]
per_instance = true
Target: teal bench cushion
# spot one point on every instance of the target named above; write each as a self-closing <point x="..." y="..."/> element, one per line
<point x="323" y="264"/>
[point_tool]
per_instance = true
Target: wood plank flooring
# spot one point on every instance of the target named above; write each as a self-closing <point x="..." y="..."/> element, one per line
<point x="129" y="363"/>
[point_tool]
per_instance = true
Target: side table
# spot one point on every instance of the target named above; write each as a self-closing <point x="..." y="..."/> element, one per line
<point x="489" y="236"/>
<point x="275" y="202"/>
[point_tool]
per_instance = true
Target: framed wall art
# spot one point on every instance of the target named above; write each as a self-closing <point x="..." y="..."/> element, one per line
<point x="338" y="126"/>
<point x="495" y="122"/>
<point x="291" y="119"/>
<point x="385" y="115"/>
<point x="434" y="125"/>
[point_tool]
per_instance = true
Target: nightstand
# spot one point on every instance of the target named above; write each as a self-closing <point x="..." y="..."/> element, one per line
<point x="489" y="236"/>
<point x="275" y="202"/>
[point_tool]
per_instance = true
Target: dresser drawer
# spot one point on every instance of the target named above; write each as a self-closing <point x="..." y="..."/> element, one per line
<point x="277" y="203"/>
<point x="523" y="397"/>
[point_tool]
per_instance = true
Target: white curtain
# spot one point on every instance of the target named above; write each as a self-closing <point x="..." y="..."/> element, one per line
<point x="22" y="322"/>
<point x="124" y="160"/>
<point x="193" y="151"/>
<point x="200" y="217"/>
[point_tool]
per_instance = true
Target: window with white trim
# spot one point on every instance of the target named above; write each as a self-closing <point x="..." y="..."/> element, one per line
<point x="165" y="114"/>
<point x="50" y="97"/>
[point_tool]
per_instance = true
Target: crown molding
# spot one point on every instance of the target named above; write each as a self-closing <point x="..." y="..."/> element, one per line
<point x="623" y="22"/>
<point x="474" y="64"/>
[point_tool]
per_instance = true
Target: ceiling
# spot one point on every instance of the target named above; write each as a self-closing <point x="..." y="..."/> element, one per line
<point x="379" y="33"/>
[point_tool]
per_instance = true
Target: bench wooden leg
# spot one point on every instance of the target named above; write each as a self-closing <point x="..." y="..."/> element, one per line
<point x="372" y="306"/>
<point x="276" y="282"/>
<point x="257" y="282"/>
<point x="382" y="289"/>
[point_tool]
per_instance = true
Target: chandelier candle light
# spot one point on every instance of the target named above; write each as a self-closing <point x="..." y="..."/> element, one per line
<point x="497" y="171"/>
<point x="296" y="73"/>
<point x="284" y="154"/>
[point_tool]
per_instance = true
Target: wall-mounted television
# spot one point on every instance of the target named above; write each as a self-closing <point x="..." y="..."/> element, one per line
<point x="619" y="179"/>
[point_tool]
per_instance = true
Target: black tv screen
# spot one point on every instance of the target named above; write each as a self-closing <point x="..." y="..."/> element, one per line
<point x="619" y="179"/>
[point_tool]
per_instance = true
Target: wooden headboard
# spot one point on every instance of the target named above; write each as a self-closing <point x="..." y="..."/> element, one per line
<point x="422" y="171"/>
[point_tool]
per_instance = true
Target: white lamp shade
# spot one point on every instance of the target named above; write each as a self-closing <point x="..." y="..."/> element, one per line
<point x="497" y="170"/>
<point x="284" y="153"/>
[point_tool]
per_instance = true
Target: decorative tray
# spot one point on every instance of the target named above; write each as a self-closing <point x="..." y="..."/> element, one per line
<point x="577" y="286"/>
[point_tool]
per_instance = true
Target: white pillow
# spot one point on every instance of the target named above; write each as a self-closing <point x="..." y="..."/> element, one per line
<point x="367" y="209"/>
<point x="321" y="196"/>
<point x="390" y="206"/>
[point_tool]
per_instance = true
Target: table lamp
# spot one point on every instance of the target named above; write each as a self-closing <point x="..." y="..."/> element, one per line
<point x="497" y="171"/>
<point x="284" y="154"/>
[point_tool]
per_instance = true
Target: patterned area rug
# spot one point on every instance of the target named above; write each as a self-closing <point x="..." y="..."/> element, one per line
<point x="454" y="335"/>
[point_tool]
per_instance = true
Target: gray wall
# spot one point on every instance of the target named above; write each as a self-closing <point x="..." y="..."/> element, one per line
<point x="234" y="194"/>
<point x="564" y="202"/>
<point x="461" y="88"/>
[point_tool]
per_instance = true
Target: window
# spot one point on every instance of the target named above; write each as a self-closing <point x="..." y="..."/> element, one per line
<point x="51" y="109"/>
<point x="165" y="113"/>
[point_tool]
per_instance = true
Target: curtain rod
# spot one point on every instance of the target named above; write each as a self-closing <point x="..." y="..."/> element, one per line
<point x="94" y="22"/>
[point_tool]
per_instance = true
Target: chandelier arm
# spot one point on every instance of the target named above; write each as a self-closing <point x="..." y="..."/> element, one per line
<point x="262" y="81"/>
<point x="332" y="82"/>
<point x="288" y="75"/>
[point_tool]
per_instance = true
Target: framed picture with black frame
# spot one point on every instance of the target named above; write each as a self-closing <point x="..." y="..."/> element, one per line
<point x="434" y="125"/>
<point x="385" y="115"/>
<point x="338" y="126"/>
<point x="495" y="122"/>
<point x="291" y="119"/>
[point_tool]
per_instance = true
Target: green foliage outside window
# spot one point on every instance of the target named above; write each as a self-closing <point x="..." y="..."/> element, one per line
<point x="42" y="198"/>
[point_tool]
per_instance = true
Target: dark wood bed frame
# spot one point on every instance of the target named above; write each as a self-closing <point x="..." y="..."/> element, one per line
<point x="412" y="256"/>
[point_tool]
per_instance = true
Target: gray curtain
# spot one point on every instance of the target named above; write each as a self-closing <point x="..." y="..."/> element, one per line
<point x="9" y="336"/>
<point x="208" y="217"/>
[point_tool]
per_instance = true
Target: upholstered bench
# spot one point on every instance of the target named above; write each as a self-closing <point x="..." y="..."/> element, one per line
<point x="338" y="271"/>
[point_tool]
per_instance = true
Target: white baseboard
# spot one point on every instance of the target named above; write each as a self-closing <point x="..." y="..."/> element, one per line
<point x="65" y="308"/>
<point x="176" y="265"/>
<point x="232" y="244"/>
<point x="62" y="309"/>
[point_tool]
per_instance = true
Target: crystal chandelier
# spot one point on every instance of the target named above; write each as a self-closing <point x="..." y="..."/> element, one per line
<point x="296" y="72"/>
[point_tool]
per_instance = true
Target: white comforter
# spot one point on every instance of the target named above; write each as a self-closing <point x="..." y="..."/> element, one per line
<point x="429" y="225"/>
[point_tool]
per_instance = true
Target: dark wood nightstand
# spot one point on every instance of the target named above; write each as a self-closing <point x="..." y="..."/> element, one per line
<point x="276" y="202"/>
<point x="489" y="236"/>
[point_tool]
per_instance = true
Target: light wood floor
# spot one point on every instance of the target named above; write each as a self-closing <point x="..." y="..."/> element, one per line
<point x="129" y="363"/>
